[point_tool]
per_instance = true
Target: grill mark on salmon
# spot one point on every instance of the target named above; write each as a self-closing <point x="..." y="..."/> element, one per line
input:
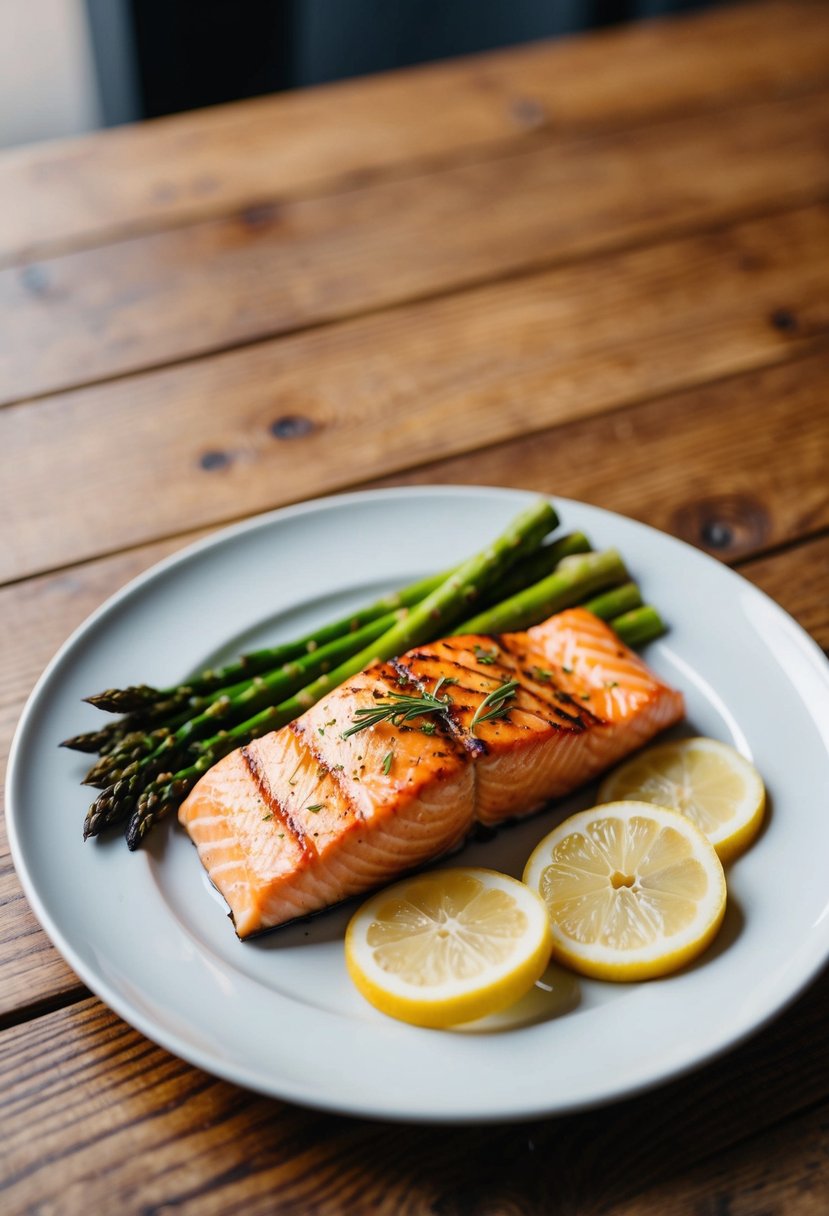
<point x="324" y="768"/>
<point x="275" y="807"/>
<point x="303" y="818"/>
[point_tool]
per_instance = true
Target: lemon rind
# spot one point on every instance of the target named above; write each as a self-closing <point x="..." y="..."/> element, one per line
<point x="605" y="963"/>
<point x="455" y="1002"/>
<point x="734" y="840"/>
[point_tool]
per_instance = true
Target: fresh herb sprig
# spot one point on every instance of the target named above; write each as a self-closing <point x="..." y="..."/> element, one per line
<point x="496" y="704"/>
<point x="401" y="707"/>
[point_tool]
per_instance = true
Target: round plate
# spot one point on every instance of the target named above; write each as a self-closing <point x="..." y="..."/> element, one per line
<point x="148" y="934"/>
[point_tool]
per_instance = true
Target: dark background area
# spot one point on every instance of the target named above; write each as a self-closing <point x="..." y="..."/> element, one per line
<point x="182" y="54"/>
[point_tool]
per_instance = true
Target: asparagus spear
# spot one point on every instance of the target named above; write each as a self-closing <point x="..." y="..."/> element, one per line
<point x="639" y="626"/>
<point x="425" y="620"/>
<point x="142" y="699"/>
<point x="574" y="578"/>
<point x="613" y="603"/>
<point x="238" y="701"/>
<point x="130" y="767"/>
<point x="137" y="697"/>
<point x="110" y="737"/>
<point x="111" y="766"/>
<point x="141" y="696"/>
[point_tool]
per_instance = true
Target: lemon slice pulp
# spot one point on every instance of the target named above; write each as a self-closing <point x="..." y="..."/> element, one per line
<point x="633" y="890"/>
<point x="704" y="779"/>
<point x="449" y="946"/>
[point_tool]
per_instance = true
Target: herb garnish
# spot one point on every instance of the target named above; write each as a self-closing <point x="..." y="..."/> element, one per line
<point x="387" y="762"/>
<point x="487" y="657"/>
<point x="317" y="806"/>
<point x="400" y="707"/>
<point x="497" y="701"/>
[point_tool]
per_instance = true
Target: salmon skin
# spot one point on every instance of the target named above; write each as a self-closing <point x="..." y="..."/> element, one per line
<point x="309" y="815"/>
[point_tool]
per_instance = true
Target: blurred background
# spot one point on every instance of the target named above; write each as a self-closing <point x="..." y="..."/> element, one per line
<point x="70" y="66"/>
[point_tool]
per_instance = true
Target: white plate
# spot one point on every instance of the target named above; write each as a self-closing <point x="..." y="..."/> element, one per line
<point x="147" y="934"/>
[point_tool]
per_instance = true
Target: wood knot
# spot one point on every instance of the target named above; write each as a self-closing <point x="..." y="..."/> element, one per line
<point x="164" y="192"/>
<point x="291" y="426"/>
<point x="35" y="278"/>
<point x="205" y="183"/>
<point x="260" y="215"/>
<point x="784" y="320"/>
<point x="214" y="460"/>
<point x="528" y="113"/>
<point x="728" y="525"/>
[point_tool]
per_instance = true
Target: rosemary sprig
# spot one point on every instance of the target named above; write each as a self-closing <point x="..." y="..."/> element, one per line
<point x="400" y="707"/>
<point x="496" y="704"/>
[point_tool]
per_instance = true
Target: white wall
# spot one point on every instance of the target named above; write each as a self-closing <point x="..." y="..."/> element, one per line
<point x="47" y="76"/>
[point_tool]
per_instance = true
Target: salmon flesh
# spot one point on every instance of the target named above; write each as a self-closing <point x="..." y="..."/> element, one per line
<point x="307" y="816"/>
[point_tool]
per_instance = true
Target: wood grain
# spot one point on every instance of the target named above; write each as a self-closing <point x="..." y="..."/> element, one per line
<point x="784" y="1171"/>
<point x="179" y="293"/>
<point x="798" y="579"/>
<point x="251" y="429"/>
<point x="210" y="162"/>
<point x="731" y="467"/>
<point x="78" y="1086"/>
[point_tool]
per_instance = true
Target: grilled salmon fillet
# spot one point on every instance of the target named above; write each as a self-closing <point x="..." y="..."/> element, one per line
<point x="305" y="817"/>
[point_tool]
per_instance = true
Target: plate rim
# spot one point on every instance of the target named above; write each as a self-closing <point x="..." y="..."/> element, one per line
<point x="309" y="1095"/>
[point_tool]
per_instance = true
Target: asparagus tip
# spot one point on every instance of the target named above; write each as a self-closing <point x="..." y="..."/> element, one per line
<point x="124" y="700"/>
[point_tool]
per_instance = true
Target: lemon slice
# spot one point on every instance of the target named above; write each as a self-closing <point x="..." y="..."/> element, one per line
<point x="704" y="779"/>
<point x="633" y="890"/>
<point x="449" y="946"/>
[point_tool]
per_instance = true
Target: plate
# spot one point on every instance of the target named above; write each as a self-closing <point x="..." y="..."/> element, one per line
<point x="148" y="935"/>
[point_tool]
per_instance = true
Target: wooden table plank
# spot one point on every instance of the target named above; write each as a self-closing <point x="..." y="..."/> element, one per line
<point x="786" y="1171"/>
<point x="151" y="300"/>
<point x="78" y="1085"/>
<point x="798" y="579"/>
<point x="696" y="464"/>
<point x="210" y="162"/>
<point x="204" y="442"/>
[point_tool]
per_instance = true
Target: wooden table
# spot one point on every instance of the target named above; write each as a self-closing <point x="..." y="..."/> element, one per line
<point x="597" y="268"/>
